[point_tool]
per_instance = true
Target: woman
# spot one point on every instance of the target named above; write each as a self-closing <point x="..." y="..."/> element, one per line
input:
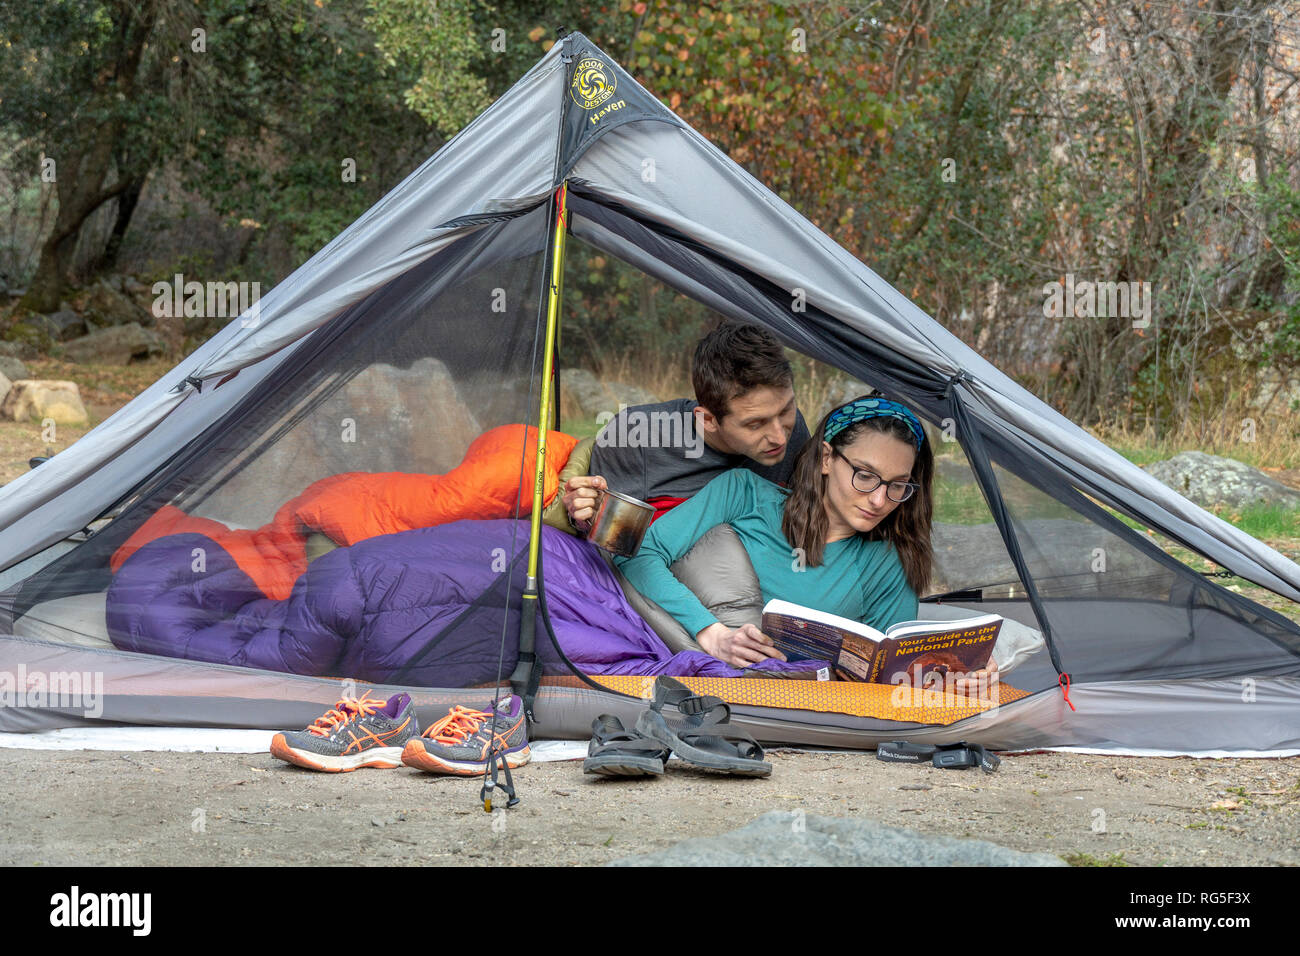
<point x="851" y="537"/>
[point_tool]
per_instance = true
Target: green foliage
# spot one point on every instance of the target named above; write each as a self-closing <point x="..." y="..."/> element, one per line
<point x="612" y="311"/>
<point x="317" y="131"/>
<point x="951" y="146"/>
<point x="440" y="42"/>
<point x="1279" y="203"/>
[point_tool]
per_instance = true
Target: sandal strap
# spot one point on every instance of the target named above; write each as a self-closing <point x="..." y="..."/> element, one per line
<point x="745" y="745"/>
<point x="670" y="691"/>
<point x="646" y="744"/>
<point x="715" y="727"/>
<point x="608" y="732"/>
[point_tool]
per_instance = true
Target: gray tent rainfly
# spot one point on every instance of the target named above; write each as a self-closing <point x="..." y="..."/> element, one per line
<point x="421" y="326"/>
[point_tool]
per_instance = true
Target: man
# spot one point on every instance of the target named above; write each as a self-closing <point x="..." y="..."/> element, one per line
<point x="744" y="416"/>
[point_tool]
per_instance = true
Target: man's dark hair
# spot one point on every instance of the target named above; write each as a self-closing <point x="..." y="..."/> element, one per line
<point x="734" y="359"/>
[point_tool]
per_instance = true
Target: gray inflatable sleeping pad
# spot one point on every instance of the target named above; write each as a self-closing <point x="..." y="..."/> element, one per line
<point x="718" y="570"/>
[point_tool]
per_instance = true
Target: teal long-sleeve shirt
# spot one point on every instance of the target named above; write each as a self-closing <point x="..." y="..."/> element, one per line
<point x="857" y="578"/>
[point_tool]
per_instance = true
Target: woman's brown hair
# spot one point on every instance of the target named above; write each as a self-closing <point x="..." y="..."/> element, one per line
<point x="805" y="522"/>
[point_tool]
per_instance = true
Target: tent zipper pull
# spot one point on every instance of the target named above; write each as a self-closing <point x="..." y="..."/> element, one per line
<point x="1064" y="682"/>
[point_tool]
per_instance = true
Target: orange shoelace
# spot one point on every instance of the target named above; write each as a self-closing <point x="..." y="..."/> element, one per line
<point x="459" y="723"/>
<point x="346" y="709"/>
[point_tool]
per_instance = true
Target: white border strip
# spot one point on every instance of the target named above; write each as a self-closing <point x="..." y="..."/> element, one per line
<point x="208" y="740"/>
<point x="1147" y="752"/>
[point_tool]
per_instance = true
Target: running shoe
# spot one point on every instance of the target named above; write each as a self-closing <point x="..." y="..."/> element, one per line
<point x="358" y="732"/>
<point x="460" y="742"/>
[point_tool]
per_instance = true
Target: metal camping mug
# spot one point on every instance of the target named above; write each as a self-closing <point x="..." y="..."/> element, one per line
<point x="620" y="522"/>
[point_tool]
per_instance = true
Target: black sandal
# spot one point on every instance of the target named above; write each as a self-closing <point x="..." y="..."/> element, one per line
<point x="706" y="738"/>
<point x="615" y="751"/>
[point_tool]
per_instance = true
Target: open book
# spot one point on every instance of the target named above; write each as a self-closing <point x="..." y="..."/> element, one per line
<point x="917" y="649"/>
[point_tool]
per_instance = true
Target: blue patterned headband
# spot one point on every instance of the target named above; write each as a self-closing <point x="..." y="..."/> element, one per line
<point x="865" y="408"/>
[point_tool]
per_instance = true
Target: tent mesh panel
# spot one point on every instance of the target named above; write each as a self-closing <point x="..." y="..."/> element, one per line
<point x="401" y="383"/>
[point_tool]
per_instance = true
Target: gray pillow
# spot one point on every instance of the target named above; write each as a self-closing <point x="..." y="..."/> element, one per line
<point x="718" y="571"/>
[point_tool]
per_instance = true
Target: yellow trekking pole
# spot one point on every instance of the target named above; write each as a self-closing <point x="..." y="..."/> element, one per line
<point x="525" y="678"/>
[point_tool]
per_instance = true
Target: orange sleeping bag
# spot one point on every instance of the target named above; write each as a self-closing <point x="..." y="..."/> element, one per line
<point x="490" y="482"/>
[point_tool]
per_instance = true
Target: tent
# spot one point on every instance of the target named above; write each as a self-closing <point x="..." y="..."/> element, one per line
<point x="432" y="320"/>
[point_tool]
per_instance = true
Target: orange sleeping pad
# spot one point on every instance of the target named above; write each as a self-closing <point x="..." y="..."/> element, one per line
<point x="835" y="697"/>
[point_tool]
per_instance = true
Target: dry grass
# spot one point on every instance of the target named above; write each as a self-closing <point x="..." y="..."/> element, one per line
<point x="1270" y="442"/>
<point x="104" y="389"/>
<point x="668" y="376"/>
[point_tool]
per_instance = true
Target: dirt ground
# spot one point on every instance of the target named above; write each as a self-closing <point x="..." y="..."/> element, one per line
<point x="101" y="808"/>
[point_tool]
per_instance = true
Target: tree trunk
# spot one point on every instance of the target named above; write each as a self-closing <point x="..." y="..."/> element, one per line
<point x="79" y="185"/>
<point x="126" y="205"/>
<point x="82" y="164"/>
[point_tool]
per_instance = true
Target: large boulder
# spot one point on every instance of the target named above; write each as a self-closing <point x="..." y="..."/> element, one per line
<point x="382" y="419"/>
<point x="12" y="368"/>
<point x="118" y="345"/>
<point x="6" y="383"/>
<point x="1210" y="480"/>
<point x="32" y="336"/>
<point x="501" y="401"/>
<point x="66" y="324"/>
<point x="841" y="391"/>
<point x="1073" y="557"/>
<point x="1275" y="390"/>
<point x="793" y="838"/>
<point x="18" y="349"/>
<point x="593" y="396"/>
<point x="107" y="306"/>
<point x="34" y="400"/>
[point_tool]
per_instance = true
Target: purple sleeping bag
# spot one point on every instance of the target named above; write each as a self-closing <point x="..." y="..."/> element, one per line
<point x="433" y="607"/>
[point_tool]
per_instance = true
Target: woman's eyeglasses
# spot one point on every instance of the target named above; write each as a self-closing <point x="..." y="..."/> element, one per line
<point x="868" y="481"/>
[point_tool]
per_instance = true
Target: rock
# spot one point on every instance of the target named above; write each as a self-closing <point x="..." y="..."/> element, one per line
<point x="1275" y="391"/>
<point x="107" y="306"/>
<point x="1210" y="480"/>
<point x="36" y="332"/>
<point x="133" y="286"/>
<point x="383" y="419"/>
<point x="785" y="838"/>
<point x="13" y="369"/>
<point x="66" y="324"/>
<point x="843" y="390"/>
<point x="18" y="350"/>
<point x="35" y="400"/>
<point x="592" y="396"/>
<point x="498" y="401"/>
<point x="201" y="327"/>
<point x="6" y="383"/>
<point x="114" y="346"/>
<point x="969" y="555"/>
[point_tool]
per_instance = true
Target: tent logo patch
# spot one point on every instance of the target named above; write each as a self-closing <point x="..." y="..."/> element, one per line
<point x="593" y="83"/>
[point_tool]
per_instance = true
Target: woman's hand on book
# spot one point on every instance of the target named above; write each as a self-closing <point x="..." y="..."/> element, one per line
<point x="981" y="683"/>
<point x="741" y="647"/>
